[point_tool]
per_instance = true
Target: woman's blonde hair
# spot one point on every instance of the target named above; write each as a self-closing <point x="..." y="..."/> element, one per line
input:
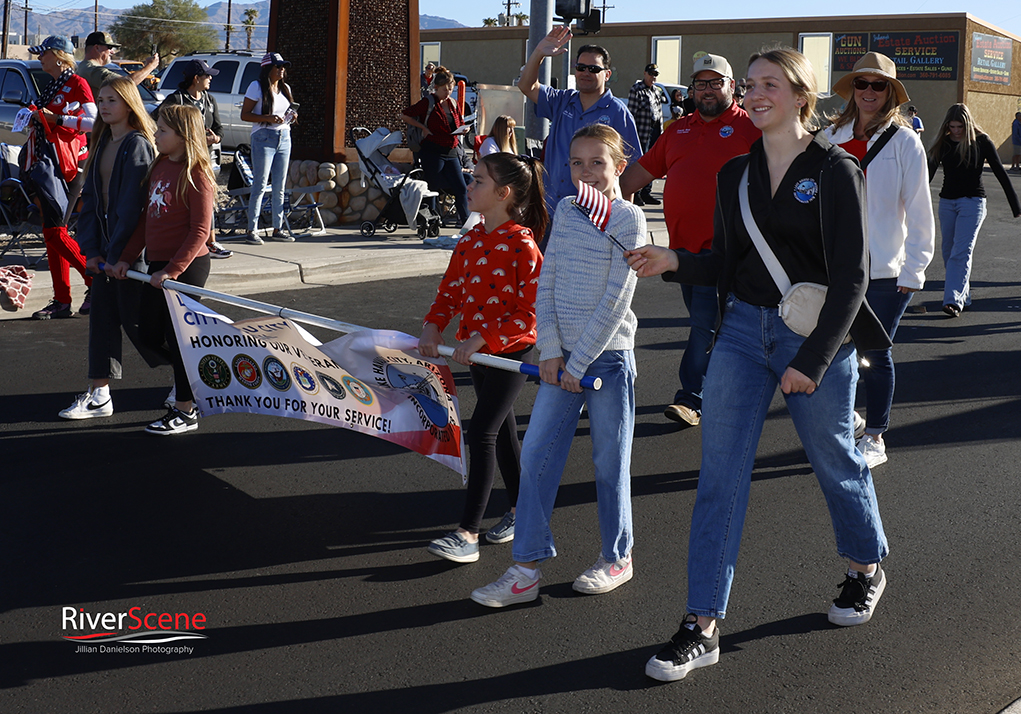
<point x="503" y="134"/>
<point x="186" y="121"/>
<point x="967" y="148"/>
<point x="63" y="58"/>
<point x="798" y="71"/>
<point x="890" y="111"/>
<point x="609" y="136"/>
<point x="138" y="118"/>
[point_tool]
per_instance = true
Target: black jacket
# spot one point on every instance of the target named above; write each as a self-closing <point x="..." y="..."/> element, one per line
<point x="211" y="115"/>
<point x="105" y="234"/>
<point x="841" y="190"/>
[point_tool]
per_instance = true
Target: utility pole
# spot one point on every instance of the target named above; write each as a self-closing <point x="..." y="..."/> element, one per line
<point x="226" y="46"/>
<point x="95" y="17"/>
<point x="7" y="28"/>
<point x="539" y="24"/>
<point x="604" y="9"/>
<point x="26" y="23"/>
<point x="510" y="4"/>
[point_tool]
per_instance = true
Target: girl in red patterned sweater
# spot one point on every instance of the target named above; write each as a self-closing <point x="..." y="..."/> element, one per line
<point x="490" y="284"/>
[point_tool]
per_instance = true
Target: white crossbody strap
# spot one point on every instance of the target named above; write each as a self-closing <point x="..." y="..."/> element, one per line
<point x="779" y="275"/>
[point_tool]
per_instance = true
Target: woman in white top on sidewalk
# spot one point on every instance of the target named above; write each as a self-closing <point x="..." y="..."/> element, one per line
<point x="902" y="230"/>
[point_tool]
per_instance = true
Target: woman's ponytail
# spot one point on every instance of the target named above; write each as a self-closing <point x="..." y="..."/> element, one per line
<point x="523" y="175"/>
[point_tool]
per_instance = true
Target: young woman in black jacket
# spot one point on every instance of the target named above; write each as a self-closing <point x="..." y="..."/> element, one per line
<point x="963" y="150"/>
<point x="807" y="197"/>
<point x="113" y="198"/>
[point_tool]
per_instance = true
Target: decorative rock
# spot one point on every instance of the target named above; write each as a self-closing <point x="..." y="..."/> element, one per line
<point x="370" y="213"/>
<point x="294" y="172"/>
<point x="374" y="193"/>
<point x="354" y="171"/>
<point x="357" y="203"/>
<point x="343" y="179"/>
<point x="355" y="188"/>
<point x="345" y="199"/>
<point x="328" y="199"/>
<point x="303" y="182"/>
<point x="329" y="217"/>
<point x="341" y="169"/>
<point x="326" y="174"/>
<point x="328" y="185"/>
<point x="380" y="203"/>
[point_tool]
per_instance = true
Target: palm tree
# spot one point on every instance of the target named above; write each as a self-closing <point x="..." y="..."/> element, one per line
<point x="489" y="22"/>
<point x="249" y="25"/>
<point x="522" y="18"/>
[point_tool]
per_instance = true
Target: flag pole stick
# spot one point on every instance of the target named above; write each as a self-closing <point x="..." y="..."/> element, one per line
<point x="508" y="365"/>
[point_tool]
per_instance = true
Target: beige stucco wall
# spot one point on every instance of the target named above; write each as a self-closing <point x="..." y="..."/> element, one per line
<point x="994" y="113"/>
<point x="492" y="60"/>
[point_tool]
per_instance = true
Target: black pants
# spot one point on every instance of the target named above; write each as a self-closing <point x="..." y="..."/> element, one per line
<point x="443" y="173"/>
<point x="115" y="304"/>
<point x="156" y="329"/>
<point x="493" y="438"/>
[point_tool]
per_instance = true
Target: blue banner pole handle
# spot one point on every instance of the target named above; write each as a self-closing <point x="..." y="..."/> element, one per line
<point x="512" y="365"/>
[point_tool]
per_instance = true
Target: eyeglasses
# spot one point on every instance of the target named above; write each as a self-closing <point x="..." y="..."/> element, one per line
<point x="701" y="85"/>
<point x="593" y="68"/>
<point x="879" y="85"/>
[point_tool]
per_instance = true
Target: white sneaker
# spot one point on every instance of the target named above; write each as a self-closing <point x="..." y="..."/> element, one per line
<point x="874" y="451"/>
<point x="88" y="406"/>
<point x="604" y="577"/>
<point x="512" y="587"/>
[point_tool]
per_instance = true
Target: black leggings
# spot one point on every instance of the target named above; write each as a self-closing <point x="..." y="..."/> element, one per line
<point x="493" y="438"/>
<point x="156" y="329"/>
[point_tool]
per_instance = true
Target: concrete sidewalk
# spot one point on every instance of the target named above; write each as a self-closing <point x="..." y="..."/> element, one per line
<point x="338" y="257"/>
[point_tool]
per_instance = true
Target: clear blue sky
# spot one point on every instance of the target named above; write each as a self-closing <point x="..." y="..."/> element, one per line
<point x="1005" y="14"/>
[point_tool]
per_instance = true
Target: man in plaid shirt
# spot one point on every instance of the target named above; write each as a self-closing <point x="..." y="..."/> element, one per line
<point x="646" y="101"/>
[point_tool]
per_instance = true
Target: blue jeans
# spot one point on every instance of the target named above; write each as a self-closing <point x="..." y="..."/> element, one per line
<point x="551" y="429"/>
<point x="959" y="222"/>
<point x="271" y="155"/>
<point x="752" y="352"/>
<point x="879" y="377"/>
<point x="703" y="308"/>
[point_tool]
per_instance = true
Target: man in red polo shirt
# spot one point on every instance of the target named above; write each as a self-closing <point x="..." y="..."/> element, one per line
<point x="690" y="153"/>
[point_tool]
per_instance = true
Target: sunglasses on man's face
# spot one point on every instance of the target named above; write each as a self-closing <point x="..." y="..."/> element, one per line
<point x="879" y="85"/>
<point x="593" y="68"/>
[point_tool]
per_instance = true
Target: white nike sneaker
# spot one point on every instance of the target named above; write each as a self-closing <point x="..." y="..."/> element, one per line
<point x="604" y="576"/>
<point x="512" y="587"/>
<point x="87" y="406"/>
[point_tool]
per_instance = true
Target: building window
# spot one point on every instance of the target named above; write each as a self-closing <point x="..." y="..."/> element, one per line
<point x="818" y="48"/>
<point x="430" y="53"/>
<point x="666" y="53"/>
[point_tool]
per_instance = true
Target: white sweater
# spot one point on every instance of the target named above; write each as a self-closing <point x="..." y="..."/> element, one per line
<point x="902" y="229"/>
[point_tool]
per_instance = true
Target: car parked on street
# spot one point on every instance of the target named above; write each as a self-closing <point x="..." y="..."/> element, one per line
<point x="237" y="69"/>
<point x="20" y="83"/>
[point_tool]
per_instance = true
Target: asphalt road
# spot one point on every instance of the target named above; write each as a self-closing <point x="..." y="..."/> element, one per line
<point x="304" y="547"/>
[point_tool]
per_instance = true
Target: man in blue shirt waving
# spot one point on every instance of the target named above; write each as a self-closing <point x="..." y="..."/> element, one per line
<point x="570" y="109"/>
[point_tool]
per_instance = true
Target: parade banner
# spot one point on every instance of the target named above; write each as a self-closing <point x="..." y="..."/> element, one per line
<point x="919" y="55"/>
<point x="372" y="381"/>
<point x="991" y="57"/>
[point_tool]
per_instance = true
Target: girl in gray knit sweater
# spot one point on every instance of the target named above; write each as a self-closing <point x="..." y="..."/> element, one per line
<point x="585" y="327"/>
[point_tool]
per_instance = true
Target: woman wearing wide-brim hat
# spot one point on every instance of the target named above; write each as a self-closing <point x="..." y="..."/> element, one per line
<point x="902" y="231"/>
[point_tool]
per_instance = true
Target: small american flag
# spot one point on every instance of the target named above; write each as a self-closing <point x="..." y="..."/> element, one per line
<point x="594" y="204"/>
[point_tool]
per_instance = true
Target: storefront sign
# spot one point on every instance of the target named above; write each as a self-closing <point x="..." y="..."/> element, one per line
<point x="919" y="55"/>
<point x="990" y="58"/>
<point x="848" y="48"/>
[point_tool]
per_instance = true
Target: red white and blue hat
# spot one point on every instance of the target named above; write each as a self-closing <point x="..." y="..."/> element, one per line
<point x="274" y="59"/>
<point x="53" y="42"/>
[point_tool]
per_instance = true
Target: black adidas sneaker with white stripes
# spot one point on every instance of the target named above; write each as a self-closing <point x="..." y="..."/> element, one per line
<point x="687" y="650"/>
<point x="858" y="597"/>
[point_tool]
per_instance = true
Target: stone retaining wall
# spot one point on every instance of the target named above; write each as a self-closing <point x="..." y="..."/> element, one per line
<point x="344" y="198"/>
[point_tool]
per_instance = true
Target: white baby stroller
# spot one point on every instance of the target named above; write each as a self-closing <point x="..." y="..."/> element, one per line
<point x="408" y="198"/>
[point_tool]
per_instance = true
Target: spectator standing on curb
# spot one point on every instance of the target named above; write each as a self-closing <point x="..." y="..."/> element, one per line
<point x="570" y="109"/>
<point x="99" y="48"/>
<point x="645" y="102"/>
<point x="690" y="155"/>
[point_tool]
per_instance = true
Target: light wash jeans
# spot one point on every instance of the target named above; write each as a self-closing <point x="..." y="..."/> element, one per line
<point x="551" y="428"/>
<point x="959" y="222"/>
<point x="752" y="351"/>
<point x="271" y="156"/>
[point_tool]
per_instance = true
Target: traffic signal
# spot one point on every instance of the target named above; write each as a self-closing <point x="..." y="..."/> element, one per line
<point x="573" y="9"/>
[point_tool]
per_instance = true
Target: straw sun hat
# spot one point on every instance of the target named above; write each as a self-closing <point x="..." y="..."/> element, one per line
<point x="875" y="64"/>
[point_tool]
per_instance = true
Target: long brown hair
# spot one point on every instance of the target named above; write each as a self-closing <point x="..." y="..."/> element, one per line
<point x="967" y="149"/>
<point x="138" y="118"/>
<point x="186" y="121"/>
<point x="890" y="111"/>
<point x="502" y="132"/>
<point x="523" y="176"/>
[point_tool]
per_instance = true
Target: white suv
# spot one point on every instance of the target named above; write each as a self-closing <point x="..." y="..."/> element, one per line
<point x="238" y="69"/>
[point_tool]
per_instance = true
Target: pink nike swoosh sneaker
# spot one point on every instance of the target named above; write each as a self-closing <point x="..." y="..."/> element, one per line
<point x="513" y="587"/>
<point x="604" y="576"/>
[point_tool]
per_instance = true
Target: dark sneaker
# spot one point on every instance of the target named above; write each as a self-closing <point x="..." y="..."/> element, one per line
<point x="638" y="200"/>
<point x="218" y="251"/>
<point x="455" y="547"/>
<point x="651" y="200"/>
<point x="952" y="310"/>
<point x="282" y="237"/>
<point x="687" y="650"/>
<point x="175" y="422"/>
<point x="86" y="303"/>
<point x="253" y="239"/>
<point x="858" y="598"/>
<point x="502" y="531"/>
<point x="684" y="414"/>
<point x="859" y="426"/>
<point x="89" y="406"/>
<point x="55" y="310"/>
